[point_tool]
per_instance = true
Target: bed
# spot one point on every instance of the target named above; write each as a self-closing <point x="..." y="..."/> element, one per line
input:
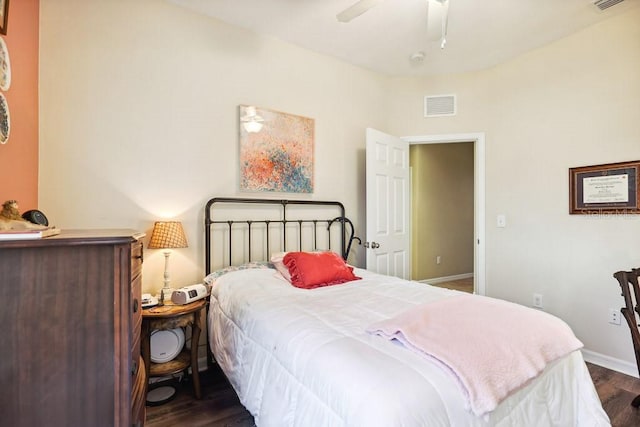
<point x="312" y="356"/>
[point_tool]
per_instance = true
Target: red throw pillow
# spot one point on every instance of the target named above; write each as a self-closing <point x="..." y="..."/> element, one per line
<point x="315" y="269"/>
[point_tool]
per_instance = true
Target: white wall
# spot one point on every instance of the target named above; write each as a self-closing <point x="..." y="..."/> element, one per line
<point x="139" y="117"/>
<point x="572" y="103"/>
<point x="138" y="110"/>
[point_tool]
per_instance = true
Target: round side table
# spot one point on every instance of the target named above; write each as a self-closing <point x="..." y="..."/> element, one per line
<point x="171" y="316"/>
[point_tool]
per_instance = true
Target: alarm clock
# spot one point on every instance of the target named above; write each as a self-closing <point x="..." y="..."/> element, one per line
<point x="188" y="294"/>
<point x="35" y="216"/>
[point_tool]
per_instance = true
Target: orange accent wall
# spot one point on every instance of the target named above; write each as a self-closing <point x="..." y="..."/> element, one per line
<point x="19" y="156"/>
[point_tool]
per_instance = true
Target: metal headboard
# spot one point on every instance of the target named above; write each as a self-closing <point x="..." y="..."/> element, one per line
<point x="249" y="226"/>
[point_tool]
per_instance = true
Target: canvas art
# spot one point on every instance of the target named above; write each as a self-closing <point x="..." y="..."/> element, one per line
<point x="276" y="151"/>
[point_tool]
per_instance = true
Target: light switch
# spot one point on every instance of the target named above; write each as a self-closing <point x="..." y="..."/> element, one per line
<point x="501" y="221"/>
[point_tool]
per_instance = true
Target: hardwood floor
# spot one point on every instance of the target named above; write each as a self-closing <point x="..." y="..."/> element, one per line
<point x="464" y="285"/>
<point x="219" y="406"/>
<point x="616" y="391"/>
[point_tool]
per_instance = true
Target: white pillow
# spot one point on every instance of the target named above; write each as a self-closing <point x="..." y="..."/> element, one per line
<point x="276" y="260"/>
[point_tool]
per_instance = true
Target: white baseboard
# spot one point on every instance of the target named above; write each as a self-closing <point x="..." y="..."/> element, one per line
<point x="446" y="279"/>
<point x="610" y="362"/>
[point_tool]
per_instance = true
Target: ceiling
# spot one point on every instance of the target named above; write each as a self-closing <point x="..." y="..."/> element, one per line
<point x="480" y="34"/>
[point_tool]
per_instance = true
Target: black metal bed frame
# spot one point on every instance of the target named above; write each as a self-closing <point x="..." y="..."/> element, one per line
<point x="340" y="220"/>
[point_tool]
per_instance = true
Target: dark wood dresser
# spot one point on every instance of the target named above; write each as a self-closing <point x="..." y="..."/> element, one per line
<point x="70" y="340"/>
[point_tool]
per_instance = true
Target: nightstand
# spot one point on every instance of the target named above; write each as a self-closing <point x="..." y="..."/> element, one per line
<point x="171" y="316"/>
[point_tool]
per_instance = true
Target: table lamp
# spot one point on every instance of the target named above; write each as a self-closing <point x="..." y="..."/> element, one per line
<point x="167" y="235"/>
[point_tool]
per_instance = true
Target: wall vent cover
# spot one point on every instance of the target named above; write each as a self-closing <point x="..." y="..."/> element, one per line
<point x="606" y="4"/>
<point x="439" y="105"/>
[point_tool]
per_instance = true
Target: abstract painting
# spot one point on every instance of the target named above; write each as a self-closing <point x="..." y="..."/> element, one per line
<point x="276" y="151"/>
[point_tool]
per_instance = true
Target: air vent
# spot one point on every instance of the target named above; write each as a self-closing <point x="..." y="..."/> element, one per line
<point x="439" y="105"/>
<point x="606" y="4"/>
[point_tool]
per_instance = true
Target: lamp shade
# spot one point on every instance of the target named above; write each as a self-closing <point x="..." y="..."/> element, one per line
<point x="167" y="234"/>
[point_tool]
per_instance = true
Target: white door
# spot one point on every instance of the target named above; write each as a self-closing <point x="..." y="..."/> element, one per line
<point x="388" y="228"/>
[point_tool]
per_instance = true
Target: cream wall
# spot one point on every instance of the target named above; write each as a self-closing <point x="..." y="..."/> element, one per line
<point x="138" y="121"/>
<point x="139" y="117"/>
<point x="572" y="103"/>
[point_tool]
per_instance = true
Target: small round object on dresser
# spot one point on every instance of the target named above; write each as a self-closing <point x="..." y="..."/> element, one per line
<point x="35" y="216"/>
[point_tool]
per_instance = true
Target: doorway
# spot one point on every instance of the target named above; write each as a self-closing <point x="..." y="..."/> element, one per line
<point x="442" y="214"/>
<point x="478" y="141"/>
<point x="389" y="202"/>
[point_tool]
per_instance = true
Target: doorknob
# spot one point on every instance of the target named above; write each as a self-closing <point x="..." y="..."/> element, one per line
<point x="372" y="245"/>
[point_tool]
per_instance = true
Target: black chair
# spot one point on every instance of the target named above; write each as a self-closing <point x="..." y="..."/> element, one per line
<point x="631" y="292"/>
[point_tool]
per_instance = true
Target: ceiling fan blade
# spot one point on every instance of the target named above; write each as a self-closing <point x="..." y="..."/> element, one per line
<point x="357" y="9"/>
<point x="437" y="19"/>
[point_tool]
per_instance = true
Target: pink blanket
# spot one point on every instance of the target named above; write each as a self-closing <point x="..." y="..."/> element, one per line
<point x="492" y="347"/>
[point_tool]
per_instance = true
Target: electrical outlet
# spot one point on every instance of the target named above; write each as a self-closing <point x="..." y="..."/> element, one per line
<point x="614" y="316"/>
<point x="537" y="300"/>
<point x="438" y="259"/>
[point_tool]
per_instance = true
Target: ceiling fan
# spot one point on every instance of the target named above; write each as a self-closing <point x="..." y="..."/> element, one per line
<point x="357" y="9"/>
<point x="437" y="14"/>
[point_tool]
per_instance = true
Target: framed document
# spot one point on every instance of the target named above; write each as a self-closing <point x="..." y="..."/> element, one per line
<point x="611" y="188"/>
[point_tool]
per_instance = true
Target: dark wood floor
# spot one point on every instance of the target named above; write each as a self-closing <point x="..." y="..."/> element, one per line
<point x="219" y="405"/>
<point x="616" y="391"/>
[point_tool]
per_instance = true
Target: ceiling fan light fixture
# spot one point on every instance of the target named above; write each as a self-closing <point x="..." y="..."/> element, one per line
<point x="437" y="21"/>
<point x="417" y="57"/>
<point x="253" y="126"/>
<point x="251" y="121"/>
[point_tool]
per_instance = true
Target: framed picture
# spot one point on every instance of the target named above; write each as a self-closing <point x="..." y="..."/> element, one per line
<point x="610" y="188"/>
<point x="276" y="151"/>
<point x="4" y="16"/>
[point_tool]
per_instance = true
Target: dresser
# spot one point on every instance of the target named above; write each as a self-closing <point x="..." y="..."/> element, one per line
<point x="70" y="340"/>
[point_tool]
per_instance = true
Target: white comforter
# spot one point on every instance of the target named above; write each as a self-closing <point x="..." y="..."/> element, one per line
<point x="301" y="357"/>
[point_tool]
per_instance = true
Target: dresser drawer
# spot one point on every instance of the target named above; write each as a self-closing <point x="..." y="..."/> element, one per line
<point x="139" y="378"/>
<point x="137" y="256"/>
<point x="138" y="395"/>
<point x="135" y="338"/>
<point x="136" y="310"/>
